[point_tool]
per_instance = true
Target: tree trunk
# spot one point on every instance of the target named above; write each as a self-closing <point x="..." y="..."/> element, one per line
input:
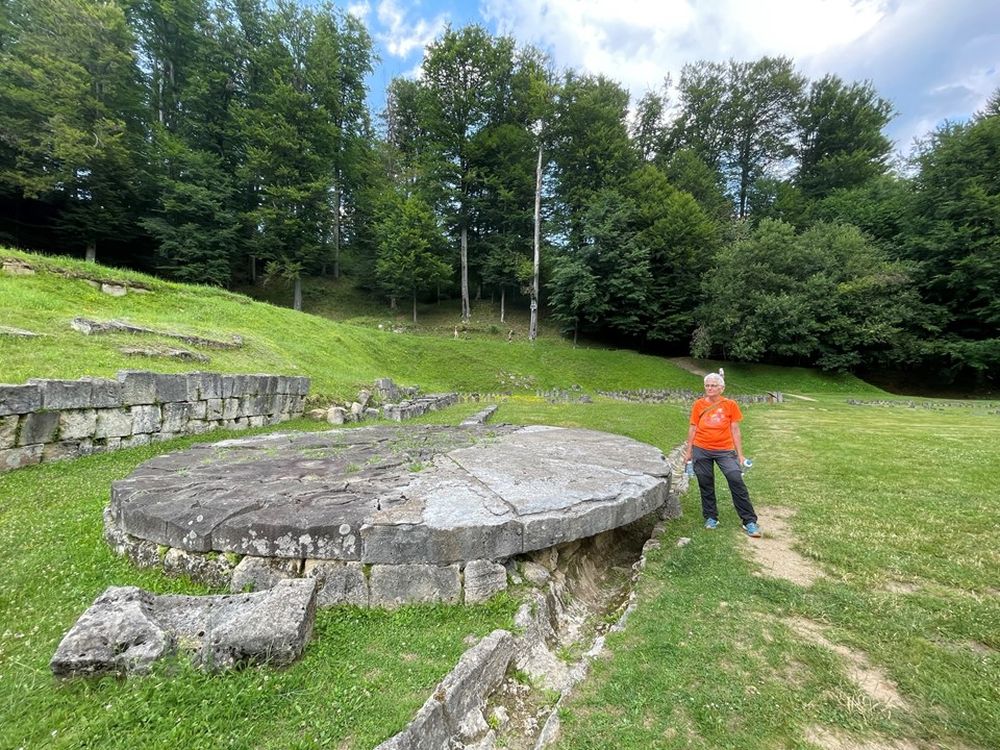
<point x="336" y="233"/>
<point x="503" y="300"/>
<point x="533" y="325"/>
<point x="92" y="251"/>
<point x="414" y="305"/>
<point x="297" y="294"/>
<point x="576" y="329"/>
<point x="253" y="269"/>
<point x="466" y="308"/>
<point x="392" y="302"/>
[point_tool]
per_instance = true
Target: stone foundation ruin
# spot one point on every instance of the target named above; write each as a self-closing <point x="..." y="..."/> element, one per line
<point x="381" y="516"/>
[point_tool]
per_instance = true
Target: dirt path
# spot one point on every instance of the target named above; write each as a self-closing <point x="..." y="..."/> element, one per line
<point x="686" y="363"/>
<point x="774" y="553"/>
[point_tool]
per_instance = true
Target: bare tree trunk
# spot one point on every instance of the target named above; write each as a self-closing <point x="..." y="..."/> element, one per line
<point x="533" y="325"/>
<point x="297" y="294"/>
<point x="253" y="269"/>
<point x="336" y="233"/>
<point x="466" y="308"/>
<point x="576" y="330"/>
<point x="392" y="302"/>
<point x="92" y="251"/>
<point x="503" y="300"/>
<point x="414" y="305"/>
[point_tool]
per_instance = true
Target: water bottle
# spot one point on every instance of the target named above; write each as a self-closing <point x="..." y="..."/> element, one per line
<point x="689" y="469"/>
<point x="747" y="463"/>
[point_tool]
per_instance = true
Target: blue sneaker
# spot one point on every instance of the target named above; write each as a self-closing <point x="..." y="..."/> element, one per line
<point x="711" y="523"/>
<point x="752" y="529"/>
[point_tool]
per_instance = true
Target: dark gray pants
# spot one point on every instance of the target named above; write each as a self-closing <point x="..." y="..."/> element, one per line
<point x="704" y="468"/>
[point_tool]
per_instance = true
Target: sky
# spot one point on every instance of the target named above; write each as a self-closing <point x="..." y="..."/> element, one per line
<point x="935" y="60"/>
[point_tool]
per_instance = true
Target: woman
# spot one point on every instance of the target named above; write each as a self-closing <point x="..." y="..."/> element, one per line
<point x="714" y="438"/>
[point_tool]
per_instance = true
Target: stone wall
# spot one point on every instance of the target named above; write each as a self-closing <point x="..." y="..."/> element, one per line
<point x="48" y="420"/>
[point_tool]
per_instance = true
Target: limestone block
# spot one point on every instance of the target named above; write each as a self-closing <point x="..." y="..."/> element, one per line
<point x="15" y="458"/>
<point x="114" y="290"/>
<point x="137" y="386"/>
<point x="338" y="582"/>
<point x="535" y="573"/>
<point x="65" y="394"/>
<point x="19" y="399"/>
<point x="105" y="393"/>
<point x="146" y="418"/>
<point x="483" y="578"/>
<point x="199" y="410"/>
<point x="256" y="421"/>
<point x="228" y="386"/>
<point x="197" y="426"/>
<point x="260" y="573"/>
<point x="427" y="731"/>
<point x="134" y="441"/>
<point x="364" y="396"/>
<point x="392" y="585"/>
<point x="61" y="451"/>
<point x="127" y="629"/>
<point x="213" y="570"/>
<point x="371" y="413"/>
<point x="117" y="634"/>
<point x="270" y="627"/>
<point x="230" y="408"/>
<point x="475" y="677"/>
<point x="171" y="388"/>
<point x="356" y="411"/>
<point x="211" y="386"/>
<point x="107" y="444"/>
<point x="336" y="415"/>
<point x="8" y="431"/>
<point x="213" y="408"/>
<point x="175" y="417"/>
<point x="38" y="427"/>
<point x="113" y="423"/>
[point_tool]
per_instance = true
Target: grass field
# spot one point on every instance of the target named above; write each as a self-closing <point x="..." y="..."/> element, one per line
<point x="895" y="506"/>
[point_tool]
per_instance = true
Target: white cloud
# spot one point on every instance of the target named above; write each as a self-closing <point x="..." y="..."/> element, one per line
<point x="401" y="35"/>
<point x="360" y="10"/>
<point x="638" y="42"/>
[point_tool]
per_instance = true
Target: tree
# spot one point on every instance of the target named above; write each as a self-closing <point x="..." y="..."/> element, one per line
<point x="828" y="297"/>
<point x="953" y="232"/>
<point x="410" y="245"/>
<point x="461" y="73"/>
<point x="740" y="117"/>
<point x="842" y="144"/>
<point x="70" y="114"/>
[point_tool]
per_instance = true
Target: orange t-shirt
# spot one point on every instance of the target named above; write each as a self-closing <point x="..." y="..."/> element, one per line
<point x="714" y="423"/>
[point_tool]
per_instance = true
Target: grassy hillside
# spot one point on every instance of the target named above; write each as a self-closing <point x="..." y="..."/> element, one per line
<point x="895" y="506"/>
<point x="339" y="357"/>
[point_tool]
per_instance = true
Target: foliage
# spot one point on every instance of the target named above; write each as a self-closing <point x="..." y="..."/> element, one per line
<point x="827" y="297"/>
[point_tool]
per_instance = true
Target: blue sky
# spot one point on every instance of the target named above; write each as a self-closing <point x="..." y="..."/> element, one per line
<point x="934" y="59"/>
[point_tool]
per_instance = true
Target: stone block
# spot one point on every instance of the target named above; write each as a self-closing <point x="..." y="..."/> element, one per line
<point x="338" y="582"/>
<point x="197" y="426"/>
<point x="475" y="677"/>
<point x="259" y="573"/>
<point x="256" y="421"/>
<point x="62" y="451"/>
<point x="211" y="386"/>
<point x="175" y="417"/>
<point x="134" y="441"/>
<point x="8" y="431"/>
<point x="336" y="415"/>
<point x="230" y="408"/>
<point x="112" y="423"/>
<point x="146" y="418"/>
<point x="427" y="731"/>
<point x="15" y="458"/>
<point x="137" y="387"/>
<point x="38" y="427"/>
<point x="170" y="388"/>
<point x="213" y="570"/>
<point x="392" y="585"/>
<point x="228" y="383"/>
<point x="65" y="394"/>
<point x="213" y="409"/>
<point x="127" y="629"/>
<point x="118" y="634"/>
<point x="19" y="399"/>
<point x="199" y="410"/>
<point x="105" y="393"/>
<point x="482" y="579"/>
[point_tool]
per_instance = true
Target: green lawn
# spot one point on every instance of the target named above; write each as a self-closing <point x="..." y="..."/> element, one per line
<point x="897" y="506"/>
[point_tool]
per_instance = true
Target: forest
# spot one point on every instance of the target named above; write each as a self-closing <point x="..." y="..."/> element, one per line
<point x="743" y="211"/>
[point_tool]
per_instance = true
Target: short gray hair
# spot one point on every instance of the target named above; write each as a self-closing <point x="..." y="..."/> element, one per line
<point x="714" y="377"/>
